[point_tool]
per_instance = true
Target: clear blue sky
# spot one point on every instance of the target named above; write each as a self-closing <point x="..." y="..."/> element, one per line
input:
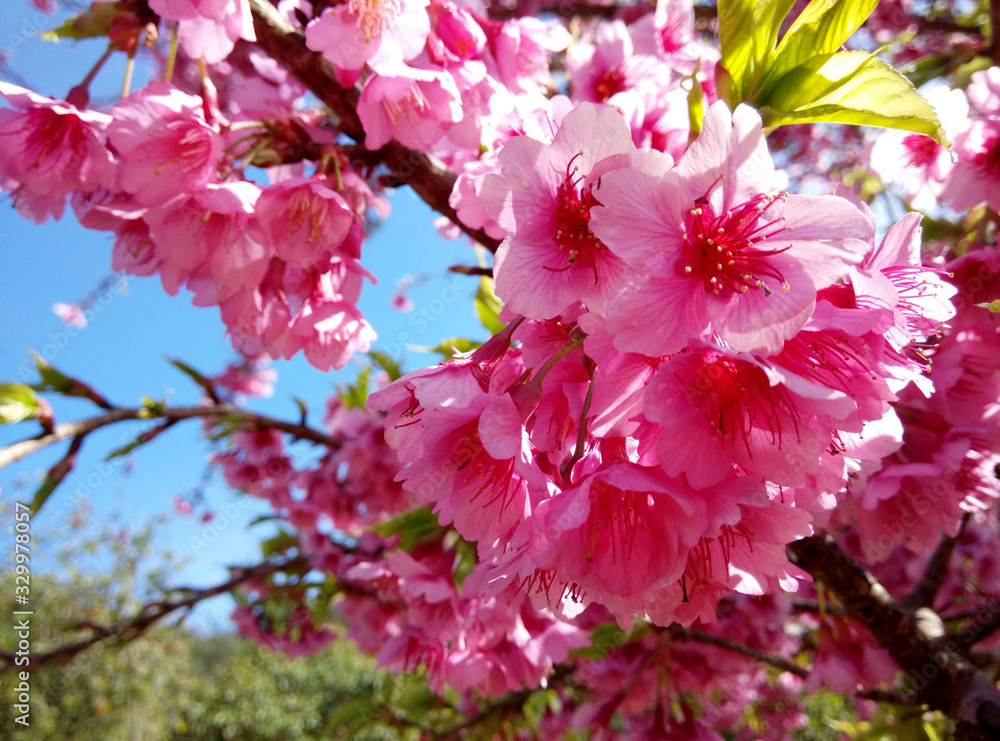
<point x="121" y="352"/>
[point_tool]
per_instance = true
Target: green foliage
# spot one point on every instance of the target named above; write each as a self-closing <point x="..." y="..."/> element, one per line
<point x="94" y="22"/>
<point x="355" y="395"/>
<point x="853" y="88"/>
<point x="416" y="526"/>
<point x="386" y="363"/>
<point x="488" y="306"/>
<point x="449" y="348"/>
<point x="803" y="78"/>
<point x="17" y="403"/>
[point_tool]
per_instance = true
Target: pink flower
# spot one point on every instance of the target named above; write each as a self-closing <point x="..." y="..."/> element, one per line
<point x="208" y="29"/>
<point x="305" y="220"/>
<point x="329" y="328"/>
<point x="464" y="448"/>
<point x="166" y="146"/>
<point x="182" y="506"/>
<point x="622" y="533"/>
<point x="543" y="199"/>
<point x="521" y="47"/>
<point x="922" y="298"/>
<point x="210" y="231"/>
<point x="458" y="33"/>
<point x="719" y="410"/>
<point x="49" y="149"/>
<point x="413" y="106"/>
<point x="917" y="162"/>
<point x="710" y="248"/>
<point x="401" y="302"/>
<point x="72" y="314"/>
<point x="359" y="32"/>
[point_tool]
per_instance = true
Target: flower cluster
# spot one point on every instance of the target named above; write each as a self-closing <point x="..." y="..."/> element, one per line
<point x="701" y="364"/>
<point x="710" y="349"/>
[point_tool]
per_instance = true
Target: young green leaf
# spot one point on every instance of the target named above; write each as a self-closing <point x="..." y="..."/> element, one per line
<point x="415" y="526"/>
<point x="852" y="88"/>
<point x="454" y="345"/>
<point x="386" y="363"/>
<point x="92" y="23"/>
<point x="18" y="402"/>
<point x="821" y="28"/>
<point x="57" y="382"/>
<point x="488" y="306"/>
<point x="748" y="33"/>
<point x="356" y="395"/>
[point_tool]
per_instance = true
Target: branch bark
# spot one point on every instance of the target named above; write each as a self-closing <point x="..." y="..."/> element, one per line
<point x="944" y="679"/>
<point x="428" y="177"/>
<point x="686" y="634"/>
<point x="82" y="427"/>
<point x="934" y="575"/>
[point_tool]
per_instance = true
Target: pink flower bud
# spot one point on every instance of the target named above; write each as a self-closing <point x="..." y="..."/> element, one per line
<point x="461" y="34"/>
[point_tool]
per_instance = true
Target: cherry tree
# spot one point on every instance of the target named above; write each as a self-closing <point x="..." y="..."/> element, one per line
<point x="736" y="435"/>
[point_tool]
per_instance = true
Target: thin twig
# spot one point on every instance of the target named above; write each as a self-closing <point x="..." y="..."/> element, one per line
<point x="128" y="630"/>
<point x="934" y="575"/>
<point x="946" y="680"/>
<point x="686" y="634"/>
<point x="66" y="430"/>
<point x="426" y="175"/>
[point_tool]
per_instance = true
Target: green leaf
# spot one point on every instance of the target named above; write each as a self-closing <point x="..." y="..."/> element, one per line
<point x="303" y="409"/>
<point x="356" y="395"/>
<point x="141" y="439"/>
<point x="608" y="636"/>
<point x="454" y="345"/>
<point x="488" y="306"/>
<point x="55" y="475"/>
<point x="386" y="363"/>
<point x="993" y="306"/>
<point x="415" y="526"/>
<point x="748" y="33"/>
<point x="852" y="88"/>
<point x="696" y="102"/>
<point x="194" y="375"/>
<point x="467" y="560"/>
<point x="57" y="382"/>
<point x="18" y="402"/>
<point x="821" y="28"/>
<point x="803" y="78"/>
<point x="43" y="493"/>
<point x="736" y="39"/>
<point x="352" y="715"/>
<point x="89" y="24"/>
<point x="151" y="408"/>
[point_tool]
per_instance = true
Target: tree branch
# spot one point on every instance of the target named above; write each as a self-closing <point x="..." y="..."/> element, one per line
<point x="80" y="428"/>
<point x="934" y="575"/>
<point x="944" y="679"/>
<point x="128" y="630"/>
<point x="686" y="634"/>
<point x="426" y="175"/>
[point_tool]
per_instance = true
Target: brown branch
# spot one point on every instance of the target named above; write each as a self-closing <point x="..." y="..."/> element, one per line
<point x="972" y="634"/>
<point x="686" y="634"/>
<point x="128" y="630"/>
<point x="944" y="679"/>
<point x="426" y="175"/>
<point x="995" y="31"/>
<point x="82" y="427"/>
<point x="894" y="697"/>
<point x="934" y="575"/>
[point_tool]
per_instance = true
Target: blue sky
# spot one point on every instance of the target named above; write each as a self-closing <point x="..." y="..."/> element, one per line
<point x="122" y="350"/>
